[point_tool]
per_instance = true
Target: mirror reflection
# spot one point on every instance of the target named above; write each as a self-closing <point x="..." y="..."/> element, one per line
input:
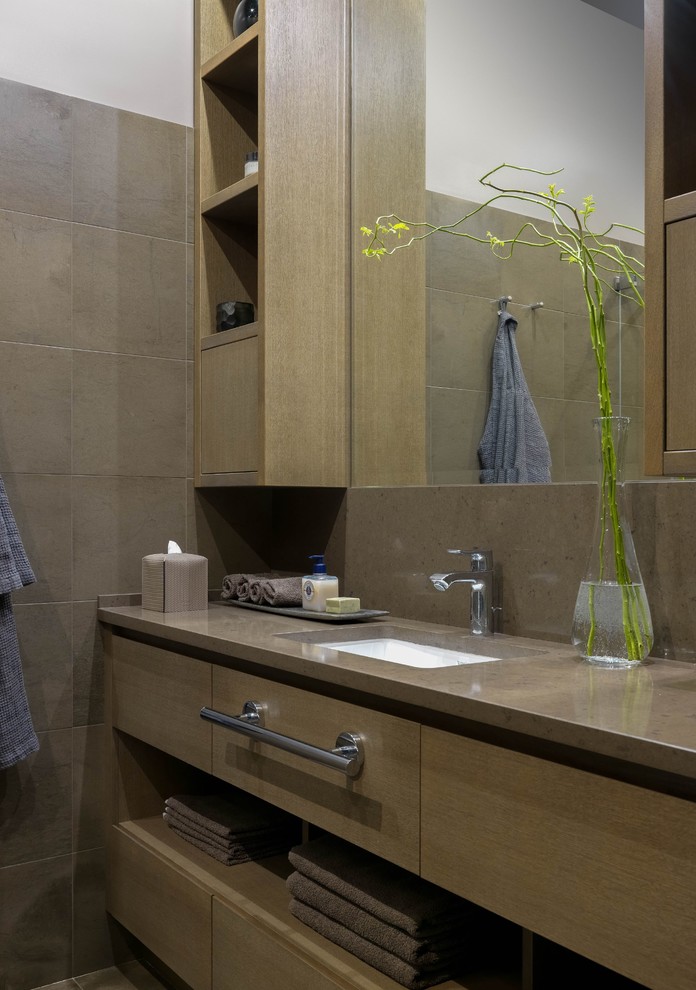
<point x="545" y="84"/>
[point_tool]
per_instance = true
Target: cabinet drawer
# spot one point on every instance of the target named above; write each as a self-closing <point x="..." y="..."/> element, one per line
<point x="168" y="911"/>
<point x="157" y="697"/>
<point x="378" y="809"/>
<point x="605" y="868"/>
<point x="247" y="958"/>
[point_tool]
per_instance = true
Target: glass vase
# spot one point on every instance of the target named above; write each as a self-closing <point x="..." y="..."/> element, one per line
<point x="612" y="625"/>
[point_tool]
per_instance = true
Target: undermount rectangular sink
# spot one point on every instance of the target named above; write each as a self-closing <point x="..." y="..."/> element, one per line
<point x="410" y="654"/>
<point x="415" y="648"/>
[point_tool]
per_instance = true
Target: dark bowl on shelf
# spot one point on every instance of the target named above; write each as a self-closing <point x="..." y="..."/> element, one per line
<point x="246" y="14"/>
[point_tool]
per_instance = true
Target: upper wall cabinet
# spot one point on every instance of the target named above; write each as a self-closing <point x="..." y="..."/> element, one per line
<point x="670" y="109"/>
<point x="326" y="386"/>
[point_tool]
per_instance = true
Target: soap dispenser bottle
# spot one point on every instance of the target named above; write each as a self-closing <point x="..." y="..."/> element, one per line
<point x="318" y="586"/>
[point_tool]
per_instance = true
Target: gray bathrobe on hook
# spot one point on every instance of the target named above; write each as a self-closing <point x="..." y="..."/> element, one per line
<point x="513" y="447"/>
<point x="17" y="736"/>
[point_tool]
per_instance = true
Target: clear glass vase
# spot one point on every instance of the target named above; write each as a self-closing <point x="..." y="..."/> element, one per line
<point x="612" y="624"/>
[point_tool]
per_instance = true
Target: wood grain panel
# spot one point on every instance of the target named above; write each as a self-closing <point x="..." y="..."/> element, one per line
<point x="165" y="909"/>
<point x="229" y="408"/>
<point x="680" y="462"/>
<point x="680" y="207"/>
<point x="604" y="868"/>
<point x="388" y="297"/>
<point x="157" y="697"/>
<point x="378" y="810"/>
<point x="681" y="342"/>
<point x="214" y="26"/>
<point x="654" y="425"/>
<point x="304" y="207"/>
<point x="228" y="130"/>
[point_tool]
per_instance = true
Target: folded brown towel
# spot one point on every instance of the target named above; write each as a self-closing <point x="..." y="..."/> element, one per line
<point x="236" y="855"/>
<point x="392" y="894"/>
<point x="430" y="952"/>
<point x="230" y="816"/>
<point x="250" y="842"/>
<point x="408" y="976"/>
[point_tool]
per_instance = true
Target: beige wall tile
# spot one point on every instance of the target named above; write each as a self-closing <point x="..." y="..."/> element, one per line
<point x="462" y="334"/>
<point x="88" y="787"/>
<point x="35" y="817"/>
<point x="98" y="941"/>
<point x="580" y="367"/>
<point x="455" y="263"/>
<point x="552" y="415"/>
<point x="34" y="409"/>
<point x="129" y="415"/>
<point x="45" y="642"/>
<point x="42" y="504"/>
<point x="35" y="915"/>
<point x="116" y="522"/>
<point x="190" y="180"/>
<point x="34" y="279"/>
<point x="88" y="665"/>
<point x="35" y="150"/>
<point x="189" y="419"/>
<point x="540" y="344"/>
<point x="458" y="420"/>
<point x="129" y="293"/>
<point x="129" y="171"/>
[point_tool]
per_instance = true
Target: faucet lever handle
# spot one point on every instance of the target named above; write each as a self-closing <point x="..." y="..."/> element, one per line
<point x="481" y="560"/>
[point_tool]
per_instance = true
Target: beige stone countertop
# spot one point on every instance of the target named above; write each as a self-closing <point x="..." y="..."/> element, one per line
<point x="645" y="715"/>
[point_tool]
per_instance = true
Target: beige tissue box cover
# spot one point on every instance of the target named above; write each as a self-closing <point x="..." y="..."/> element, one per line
<point x="175" y="582"/>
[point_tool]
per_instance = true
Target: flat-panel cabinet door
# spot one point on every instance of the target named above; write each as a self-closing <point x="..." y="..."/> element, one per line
<point x="680" y="453"/>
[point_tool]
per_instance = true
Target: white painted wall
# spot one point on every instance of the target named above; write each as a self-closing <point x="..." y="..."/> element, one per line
<point x="545" y="83"/>
<point x="132" y="54"/>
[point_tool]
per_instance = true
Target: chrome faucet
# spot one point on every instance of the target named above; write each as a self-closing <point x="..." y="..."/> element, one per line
<point x="480" y="577"/>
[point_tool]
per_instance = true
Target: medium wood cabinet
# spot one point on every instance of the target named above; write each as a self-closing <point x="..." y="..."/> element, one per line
<point x="332" y="371"/>
<point x="670" y="222"/>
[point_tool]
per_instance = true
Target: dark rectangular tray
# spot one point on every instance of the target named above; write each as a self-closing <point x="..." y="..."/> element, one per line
<point x="364" y="615"/>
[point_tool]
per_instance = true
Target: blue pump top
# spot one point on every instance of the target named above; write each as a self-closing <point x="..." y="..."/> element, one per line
<point x="319" y="565"/>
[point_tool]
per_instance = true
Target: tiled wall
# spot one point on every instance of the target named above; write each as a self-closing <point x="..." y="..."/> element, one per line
<point x="95" y="363"/>
<point x="464" y="282"/>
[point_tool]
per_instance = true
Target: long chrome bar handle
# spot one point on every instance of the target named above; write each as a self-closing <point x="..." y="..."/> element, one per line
<point x="348" y="757"/>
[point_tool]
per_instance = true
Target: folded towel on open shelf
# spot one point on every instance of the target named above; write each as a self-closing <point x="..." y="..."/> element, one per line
<point x="391" y="893"/>
<point x="235" y="854"/>
<point x="433" y="951"/>
<point x="250" y="842"/>
<point x="415" y="978"/>
<point x="231" y="815"/>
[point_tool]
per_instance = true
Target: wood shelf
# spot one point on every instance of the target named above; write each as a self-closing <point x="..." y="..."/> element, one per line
<point x="257" y="892"/>
<point x="237" y="203"/>
<point x="680" y="207"/>
<point x="236" y="66"/>
<point x="230" y="336"/>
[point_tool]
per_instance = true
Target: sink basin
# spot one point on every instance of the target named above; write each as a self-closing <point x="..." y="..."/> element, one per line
<point x="410" y="654"/>
<point x="413" y="647"/>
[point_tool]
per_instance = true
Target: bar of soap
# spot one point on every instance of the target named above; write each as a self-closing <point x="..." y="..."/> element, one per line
<point x="341" y="606"/>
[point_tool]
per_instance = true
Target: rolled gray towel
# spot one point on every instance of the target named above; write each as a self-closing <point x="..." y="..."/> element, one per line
<point x="236" y="586"/>
<point x="281" y="592"/>
<point x="392" y="894"/>
<point x="256" y="590"/>
<point x="414" y="978"/>
<point x="230" y="816"/>
<point x="432" y="952"/>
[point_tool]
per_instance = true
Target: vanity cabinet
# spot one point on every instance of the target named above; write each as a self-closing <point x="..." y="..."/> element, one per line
<point x="670" y="229"/>
<point x="600" y="867"/>
<point x="331" y="372"/>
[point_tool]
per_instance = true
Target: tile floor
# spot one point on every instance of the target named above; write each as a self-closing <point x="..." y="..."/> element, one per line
<point x="127" y="976"/>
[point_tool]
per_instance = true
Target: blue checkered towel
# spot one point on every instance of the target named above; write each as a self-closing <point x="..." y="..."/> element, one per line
<point x="17" y="736"/>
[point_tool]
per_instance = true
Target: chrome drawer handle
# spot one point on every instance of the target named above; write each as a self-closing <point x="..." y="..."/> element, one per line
<point x="348" y="757"/>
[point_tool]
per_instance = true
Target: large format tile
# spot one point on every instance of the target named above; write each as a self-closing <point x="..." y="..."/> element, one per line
<point x="41" y="504"/>
<point x="116" y="522"/>
<point x="35" y="803"/>
<point x="457" y="264"/>
<point x="88" y="787"/>
<point x="129" y="415"/>
<point x="232" y="528"/>
<point x="540" y="344"/>
<point x="35" y="150"/>
<point x="190" y="182"/>
<point x="129" y="293"/>
<point x="45" y="642"/>
<point x="98" y="941"/>
<point x="88" y="665"/>
<point x="127" y="976"/>
<point x="462" y="334"/>
<point x="129" y="171"/>
<point x="34" y="409"/>
<point x="35" y="923"/>
<point x="34" y="279"/>
<point x="458" y="418"/>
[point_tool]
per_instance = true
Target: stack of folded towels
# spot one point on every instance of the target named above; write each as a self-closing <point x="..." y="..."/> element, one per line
<point x="232" y="828"/>
<point x="263" y="589"/>
<point x="406" y="927"/>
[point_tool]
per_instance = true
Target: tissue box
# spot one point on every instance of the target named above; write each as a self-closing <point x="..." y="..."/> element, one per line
<point x="175" y="582"/>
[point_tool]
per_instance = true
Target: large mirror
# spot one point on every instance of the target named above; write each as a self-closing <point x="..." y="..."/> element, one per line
<point x="546" y="84"/>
